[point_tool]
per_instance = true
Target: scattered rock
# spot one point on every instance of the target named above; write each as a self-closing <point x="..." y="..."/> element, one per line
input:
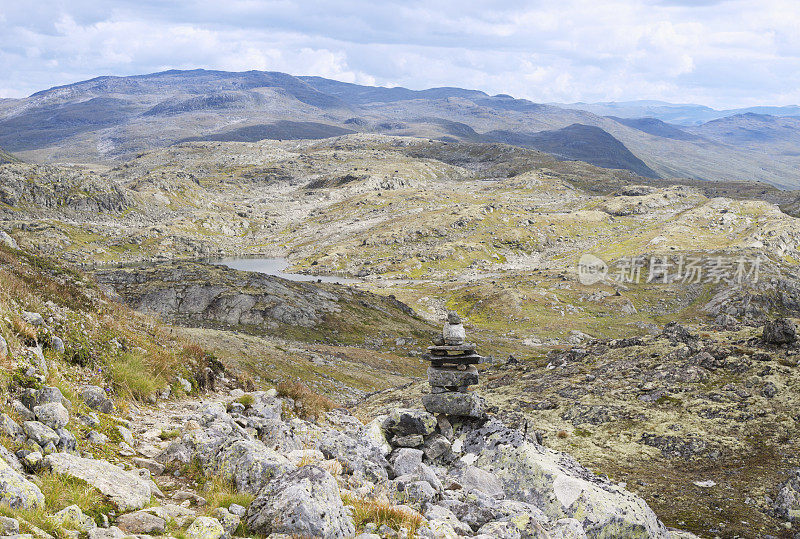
<point x="72" y="518"/>
<point x="787" y="502"/>
<point x="9" y="526"/>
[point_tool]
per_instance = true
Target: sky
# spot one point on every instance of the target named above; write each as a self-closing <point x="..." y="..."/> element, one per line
<point x="720" y="53"/>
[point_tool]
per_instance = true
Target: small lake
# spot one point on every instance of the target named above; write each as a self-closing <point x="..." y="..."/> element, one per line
<point x="277" y="267"/>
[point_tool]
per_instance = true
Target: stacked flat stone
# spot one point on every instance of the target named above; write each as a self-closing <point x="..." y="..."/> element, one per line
<point x="451" y="373"/>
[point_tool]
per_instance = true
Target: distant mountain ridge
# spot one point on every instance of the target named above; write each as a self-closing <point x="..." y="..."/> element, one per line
<point x="681" y="114"/>
<point x="111" y="118"/>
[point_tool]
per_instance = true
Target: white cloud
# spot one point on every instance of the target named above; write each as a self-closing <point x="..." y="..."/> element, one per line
<point x="721" y="53"/>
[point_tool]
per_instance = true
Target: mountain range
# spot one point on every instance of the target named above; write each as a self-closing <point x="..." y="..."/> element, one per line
<point x="106" y="119"/>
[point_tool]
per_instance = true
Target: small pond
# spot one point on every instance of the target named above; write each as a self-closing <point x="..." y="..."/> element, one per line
<point x="277" y="267"/>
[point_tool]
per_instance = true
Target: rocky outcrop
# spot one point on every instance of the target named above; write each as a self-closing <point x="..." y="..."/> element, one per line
<point x="216" y="296"/>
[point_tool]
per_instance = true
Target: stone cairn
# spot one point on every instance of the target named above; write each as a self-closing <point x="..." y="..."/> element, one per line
<point x="451" y="373"/>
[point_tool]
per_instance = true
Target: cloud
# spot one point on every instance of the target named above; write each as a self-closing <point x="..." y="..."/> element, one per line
<point x="722" y="53"/>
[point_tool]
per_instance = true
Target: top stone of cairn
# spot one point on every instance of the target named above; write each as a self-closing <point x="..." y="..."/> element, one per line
<point x="453" y="332"/>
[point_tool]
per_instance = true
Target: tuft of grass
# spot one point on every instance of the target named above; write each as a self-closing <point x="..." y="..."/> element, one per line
<point x="169" y="434"/>
<point x="26" y="332"/>
<point x="309" y="403"/>
<point x="222" y="493"/>
<point x="134" y="377"/>
<point x="383" y="512"/>
<point x="246" y="400"/>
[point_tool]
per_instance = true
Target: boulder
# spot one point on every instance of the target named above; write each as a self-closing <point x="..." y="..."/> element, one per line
<point x="205" y="528"/>
<point x="52" y="414"/>
<point x="779" y="331"/>
<point x="375" y="433"/>
<point x="402" y="422"/>
<point x="562" y="488"/>
<point x="10" y="428"/>
<point x="127" y="491"/>
<point x="455" y="404"/>
<point x="474" y="478"/>
<point x="22" y="411"/>
<point x="57" y="344"/>
<point x="40" y="433"/>
<point x="140" y="522"/>
<point x="34" y="319"/>
<point x="9" y="526"/>
<point x="127" y="435"/>
<point x="3" y="347"/>
<point x="437" y="512"/>
<point x="7" y="240"/>
<point x="112" y="532"/>
<point x="356" y="452"/>
<point x="16" y="491"/>
<point x="406" y="460"/>
<point x="304" y="502"/>
<point x="155" y="467"/>
<point x="96" y="399"/>
<point x="72" y="518"/>
<point x="250" y="465"/>
<point x="228" y="520"/>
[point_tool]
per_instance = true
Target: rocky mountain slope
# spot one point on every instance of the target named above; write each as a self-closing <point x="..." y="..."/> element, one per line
<point x="108" y="428"/>
<point x="111" y="118"/>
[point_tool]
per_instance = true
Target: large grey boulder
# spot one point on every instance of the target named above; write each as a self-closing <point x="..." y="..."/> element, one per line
<point x="52" y="414"/>
<point x="96" y="399"/>
<point x="34" y="319"/>
<point x="779" y="331"/>
<point x="250" y="465"/>
<point x="562" y="488"/>
<point x="406" y="460"/>
<point x="205" y="528"/>
<point x="40" y="433"/>
<point x="16" y="491"/>
<point x="304" y="502"/>
<point x="357" y="452"/>
<point x="126" y="490"/>
<point x="473" y="478"/>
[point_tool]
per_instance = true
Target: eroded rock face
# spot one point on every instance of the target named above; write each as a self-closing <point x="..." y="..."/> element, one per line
<point x="126" y="490"/>
<point x="303" y="502"/>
